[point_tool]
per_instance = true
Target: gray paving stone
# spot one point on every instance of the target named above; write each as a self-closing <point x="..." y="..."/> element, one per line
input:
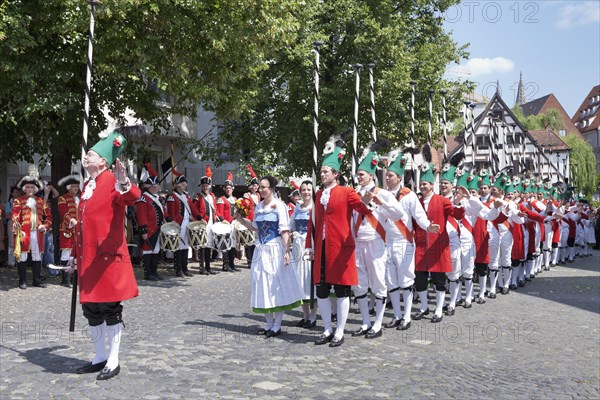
<point x="196" y="338"/>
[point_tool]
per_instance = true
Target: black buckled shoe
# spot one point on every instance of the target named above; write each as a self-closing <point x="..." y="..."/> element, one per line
<point x="323" y="339"/>
<point x="512" y="286"/>
<point x="491" y="295"/>
<point x="521" y="283"/>
<point x="271" y="333"/>
<point x="107" y="374"/>
<point x="210" y="271"/>
<point x="188" y="274"/>
<point x="336" y="342"/>
<point x="435" y="319"/>
<point x="89" y="368"/>
<point x="505" y="290"/>
<point x="371" y="334"/>
<point x="309" y="325"/>
<point x="39" y="284"/>
<point x="360" y="332"/>
<point x="420" y="314"/>
<point x="262" y="331"/>
<point x="23" y="285"/>
<point x="467" y="304"/>
<point x="480" y="300"/>
<point x="300" y="323"/>
<point x="394" y="323"/>
<point x="403" y="325"/>
<point x="460" y="302"/>
<point x="449" y="312"/>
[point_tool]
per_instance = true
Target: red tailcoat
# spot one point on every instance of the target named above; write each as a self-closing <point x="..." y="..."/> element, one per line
<point x="291" y="207"/>
<point x="224" y="208"/>
<point x="340" y="262"/>
<point x="255" y="200"/>
<point x="520" y="248"/>
<point x="432" y="250"/>
<point x="103" y="265"/>
<point x="150" y="216"/>
<point x="22" y="214"/>
<point x="67" y="209"/>
<point x="176" y="209"/>
<point x="202" y="205"/>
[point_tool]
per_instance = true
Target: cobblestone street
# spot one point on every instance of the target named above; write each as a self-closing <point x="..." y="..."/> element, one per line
<point x="196" y="338"/>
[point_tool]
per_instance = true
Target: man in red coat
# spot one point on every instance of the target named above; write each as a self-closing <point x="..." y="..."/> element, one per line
<point x="150" y="215"/>
<point x="432" y="253"/>
<point x="104" y="268"/>
<point x="225" y="208"/>
<point x="68" y="204"/>
<point x="181" y="209"/>
<point x="206" y="203"/>
<point x="334" y="258"/>
<point x="31" y="218"/>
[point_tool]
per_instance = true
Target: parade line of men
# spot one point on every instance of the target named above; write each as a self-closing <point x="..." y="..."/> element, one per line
<point x="376" y="244"/>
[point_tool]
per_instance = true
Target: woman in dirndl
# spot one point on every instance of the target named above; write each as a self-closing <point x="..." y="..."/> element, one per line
<point x="299" y="225"/>
<point x="274" y="287"/>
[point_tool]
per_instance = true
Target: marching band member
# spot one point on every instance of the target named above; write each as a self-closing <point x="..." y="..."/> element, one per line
<point x="432" y="254"/>
<point x="206" y="203"/>
<point x="333" y="248"/>
<point x="275" y="287"/>
<point x="104" y="269"/>
<point x="68" y="204"/>
<point x="299" y="228"/>
<point x="453" y="229"/>
<point x="31" y="218"/>
<point x="400" y="266"/>
<point x="151" y="215"/>
<point x="182" y="210"/>
<point x="294" y="198"/>
<point x="371" y="252"/>
<point x="226" y="208"/>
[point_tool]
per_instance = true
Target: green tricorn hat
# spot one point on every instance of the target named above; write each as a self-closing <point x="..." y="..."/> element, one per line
<point x="508" y="188"/>
<point x="333" y="154"/>
<point x="517" y="187"/>
<point x="368" y="162"/>
<point x="484" y="177"/>
<point x="462" y="176"/>
<point x="472" y="182"/>
<point x="526" y="183"/>
<point x="397" y="162"/>
<point x="428" y="172"/>
<point x="449" y="169"/>
<point x="110" y="147"/>
<point x="501" y="181"/>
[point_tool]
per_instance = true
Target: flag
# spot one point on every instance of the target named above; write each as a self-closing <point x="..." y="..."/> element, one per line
<point x="167" y="168"/>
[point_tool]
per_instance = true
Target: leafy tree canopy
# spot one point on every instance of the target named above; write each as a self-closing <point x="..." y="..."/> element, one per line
<point x="249" y="61"/>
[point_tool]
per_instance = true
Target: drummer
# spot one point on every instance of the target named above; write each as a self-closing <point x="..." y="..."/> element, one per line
<point x="207" y="206"/>
<point x="181" y="210"/>
<point x="253" y="195"/>
<point x="225" y="208"/>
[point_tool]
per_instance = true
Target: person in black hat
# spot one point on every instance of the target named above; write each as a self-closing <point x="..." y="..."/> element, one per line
<point x="67" y="210"/>
<point x="151" y="215"/>
<point x="226" y="208"/>
<point x="31" y="218"/>
<point x="182" y="210"/>
<point x="207" y="207"/>
<point x="253" y="195"/>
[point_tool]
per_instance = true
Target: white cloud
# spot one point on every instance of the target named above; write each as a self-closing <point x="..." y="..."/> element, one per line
<point x="488" y="66"/>
<point x="578" y="14"/>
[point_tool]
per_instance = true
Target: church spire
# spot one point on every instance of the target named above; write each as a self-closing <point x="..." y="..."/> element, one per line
<point x="521" y="91"/>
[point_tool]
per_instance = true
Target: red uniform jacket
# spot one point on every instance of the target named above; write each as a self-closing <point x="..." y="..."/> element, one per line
<point x="150" y="215"/>
<point x="22" y="214"/>
<point x="291" y="207"/>
<point x="176" y="209"/>
<point x="432" y="250"/>
<point x="255" y="200"/>
<point x="203" y="205"/>
<point x="340" y="262"/>
<point x="224" y="208"/>
<point x="103" y="265"/>
<point x="67" y="209"/>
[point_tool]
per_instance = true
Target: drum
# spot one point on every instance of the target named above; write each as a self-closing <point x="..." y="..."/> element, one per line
<point x="245" y="236"/>
<point x="221" y="236"/>
<point x="169" y="236"/>
<point x="196" y="233"/>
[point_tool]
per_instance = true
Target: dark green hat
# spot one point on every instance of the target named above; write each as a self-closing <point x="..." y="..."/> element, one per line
<point x="501" y="181"/>
<point x="428" y="172"/>
<point x="509" y="188"/>
<point x="472" y="182"/>
<point x="516" y="181"/>
<point x="448" y="173"/>
<point x="462" y="176"/>
<point x="369" y="161"/>
<point x="333" y="154"/>
<point x="110" y="147"/>
<point x="397" y="162"/>
<point x="484" y="177"/>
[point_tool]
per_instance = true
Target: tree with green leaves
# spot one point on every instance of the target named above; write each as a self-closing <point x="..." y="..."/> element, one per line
<point x="582" y="164"/>
<point x="249" y="61"/>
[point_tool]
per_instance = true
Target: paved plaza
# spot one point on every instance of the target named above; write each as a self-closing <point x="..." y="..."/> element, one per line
<point x="196" y="338"/>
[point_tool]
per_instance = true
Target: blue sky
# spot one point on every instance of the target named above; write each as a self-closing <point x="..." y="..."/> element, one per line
<point x="555" y="44"/>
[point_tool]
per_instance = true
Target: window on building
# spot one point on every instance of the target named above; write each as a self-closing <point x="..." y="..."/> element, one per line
<point x="529" y="164"/>
<point x="562" y="132"/>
